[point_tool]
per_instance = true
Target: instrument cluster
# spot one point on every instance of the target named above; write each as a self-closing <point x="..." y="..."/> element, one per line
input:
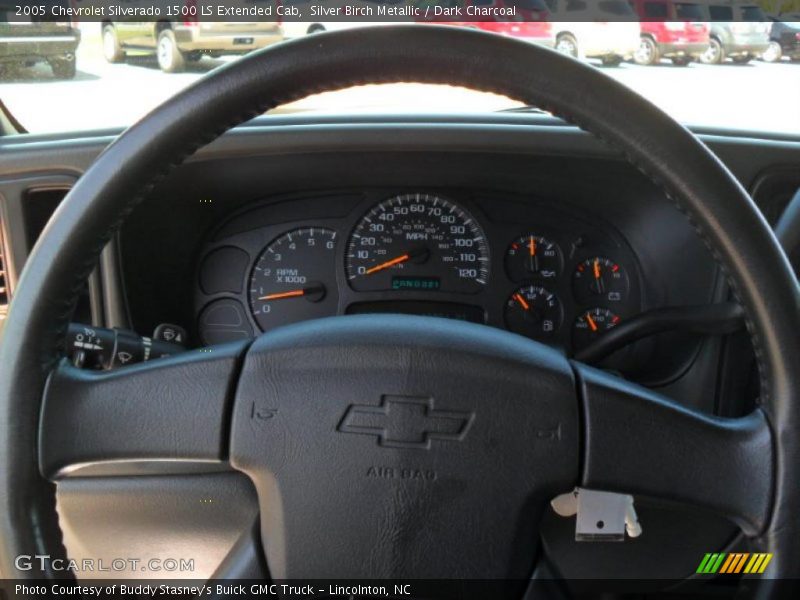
<point x="531" y="267"/>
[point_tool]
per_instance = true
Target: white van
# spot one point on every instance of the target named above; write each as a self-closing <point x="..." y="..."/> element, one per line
<point x="606" y="29"/>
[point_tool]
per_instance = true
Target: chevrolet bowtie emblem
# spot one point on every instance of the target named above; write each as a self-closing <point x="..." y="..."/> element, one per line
<point x="406" y="422"/>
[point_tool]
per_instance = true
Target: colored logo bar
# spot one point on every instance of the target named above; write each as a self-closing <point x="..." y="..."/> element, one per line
<point x="734" y="562"/>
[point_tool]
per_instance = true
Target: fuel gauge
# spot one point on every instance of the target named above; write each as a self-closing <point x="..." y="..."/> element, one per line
<point x="534" y="312"/>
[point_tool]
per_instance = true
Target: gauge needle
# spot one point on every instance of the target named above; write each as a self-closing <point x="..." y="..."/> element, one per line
<point x="387" y="264"/>
<point x="598" y="276"/>
<point x="518" y="297"/>
<point x="292" y="293"/>
<point x="281" y="295"/>
<point x="534" y="266"/>
<point x="591" y="322"/>
<point x="419" y="254"/>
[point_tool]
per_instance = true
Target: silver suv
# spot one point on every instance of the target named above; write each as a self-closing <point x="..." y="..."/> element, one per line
<point x="738" y="31"/>
<point x="175" y="43"/>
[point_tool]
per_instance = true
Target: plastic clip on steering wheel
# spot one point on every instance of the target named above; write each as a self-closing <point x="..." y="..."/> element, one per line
<point x="492" y="392"/>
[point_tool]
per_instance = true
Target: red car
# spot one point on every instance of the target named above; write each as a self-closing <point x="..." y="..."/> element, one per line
<point x="674" y="30"/>
<point x="531" y="21"/>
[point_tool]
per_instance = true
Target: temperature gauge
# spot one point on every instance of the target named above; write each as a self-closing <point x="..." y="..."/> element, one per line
<point x="533" y="256"/>
<point x="599" y="279"/>
<point x="591" y="324"/>
<point x="534" y="312"/>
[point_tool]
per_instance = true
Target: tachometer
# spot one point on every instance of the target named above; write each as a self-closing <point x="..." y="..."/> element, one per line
<point x="418" y="242"/>
<point x="294" y="278"/>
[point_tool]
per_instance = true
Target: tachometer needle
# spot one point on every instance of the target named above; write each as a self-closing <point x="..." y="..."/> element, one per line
<point x="315" y="290"/>
<point x="281" y="295"/>
<point x="518" y="297"/>
<point x="389" y="263"/>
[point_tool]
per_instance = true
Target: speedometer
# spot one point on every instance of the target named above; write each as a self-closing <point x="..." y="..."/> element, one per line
<point x="418" y="242"/>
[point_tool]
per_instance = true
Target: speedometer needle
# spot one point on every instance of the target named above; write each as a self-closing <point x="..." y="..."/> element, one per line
<point x="387" y="264"/>
<point x="419" y="255"/>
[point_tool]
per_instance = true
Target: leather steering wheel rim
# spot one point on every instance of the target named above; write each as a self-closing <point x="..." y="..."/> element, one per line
<point x="696" y="181"/>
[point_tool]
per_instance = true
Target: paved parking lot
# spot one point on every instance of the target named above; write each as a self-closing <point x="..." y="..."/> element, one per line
<point x="757" y="96"/>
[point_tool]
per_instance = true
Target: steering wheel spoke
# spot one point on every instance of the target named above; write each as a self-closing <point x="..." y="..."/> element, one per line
<point x="170" y="410"/>
<point x="639" y="442"/>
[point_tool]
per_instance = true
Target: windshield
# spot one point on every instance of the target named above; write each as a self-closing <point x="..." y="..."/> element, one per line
<point x="87" y="70"/>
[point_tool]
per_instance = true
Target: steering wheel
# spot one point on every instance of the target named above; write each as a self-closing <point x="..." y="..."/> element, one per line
<point x="787" y="230"/>
<point x="487" y="426"/>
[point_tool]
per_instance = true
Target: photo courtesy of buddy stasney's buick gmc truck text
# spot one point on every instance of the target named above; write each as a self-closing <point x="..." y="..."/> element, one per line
<point x="214" y="590"/>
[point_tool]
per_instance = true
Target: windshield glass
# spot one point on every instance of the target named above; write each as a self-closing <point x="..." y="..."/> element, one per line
<point x="69" y="65"/>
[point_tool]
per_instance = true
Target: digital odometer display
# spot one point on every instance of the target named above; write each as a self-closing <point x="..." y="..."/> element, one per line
<point x="411" y="239"/>
<point x="416" y="283"/>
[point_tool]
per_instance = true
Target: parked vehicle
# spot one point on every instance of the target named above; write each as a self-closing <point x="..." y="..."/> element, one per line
<point x="673" y="30"/>
<point x="738" y="31"/>
<point x="784" y="39"/>
<point x="176" y="43"/>
<point x="538" y="32"/>
<point x="29" y="42"/>
<point x="606" y="29"/>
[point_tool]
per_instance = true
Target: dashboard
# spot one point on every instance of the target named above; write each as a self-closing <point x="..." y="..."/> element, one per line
<point x="189" y="255"/>
<point x="489" y="258"/>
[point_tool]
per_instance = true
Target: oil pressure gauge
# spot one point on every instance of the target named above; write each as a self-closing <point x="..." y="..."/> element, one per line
<point x="533" y="256"/>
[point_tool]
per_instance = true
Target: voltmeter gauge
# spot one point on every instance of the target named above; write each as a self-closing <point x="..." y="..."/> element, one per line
<point x="533" y="256"/>
<point x="534" y="312"/>
<point x="599" y="280"/>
